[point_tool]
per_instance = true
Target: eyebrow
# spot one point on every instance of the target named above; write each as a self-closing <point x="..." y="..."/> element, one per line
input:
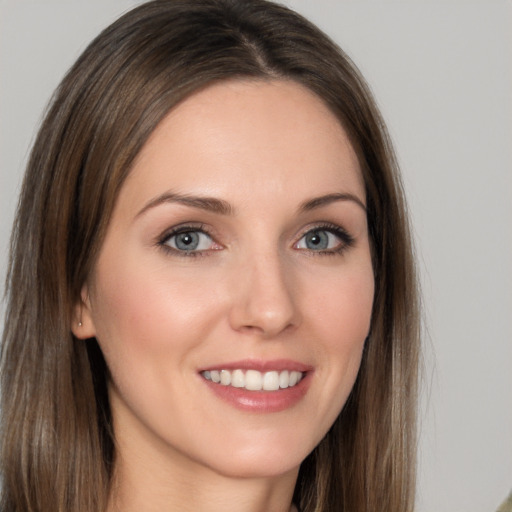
<point x="221" y="207"/>
<point x="318" y="202"/>
<point x="210" y="204"/>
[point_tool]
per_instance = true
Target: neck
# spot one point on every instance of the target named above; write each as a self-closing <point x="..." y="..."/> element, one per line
<point x="155" y="485"/>
<point x="150" y="492"/>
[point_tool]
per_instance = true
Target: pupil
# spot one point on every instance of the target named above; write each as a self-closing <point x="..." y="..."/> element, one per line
<point x="187" y="241"/>
<point x="317" y="240"/>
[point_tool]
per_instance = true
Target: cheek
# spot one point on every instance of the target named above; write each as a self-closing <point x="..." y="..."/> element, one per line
<point x="151" y="324"/>
<point x="142" y="310"/>
<point x="343" y="316"/>
<point x="343" y="307"/>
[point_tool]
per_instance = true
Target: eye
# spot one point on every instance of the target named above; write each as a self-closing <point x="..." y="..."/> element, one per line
<point x="189" y="240"/>
<point x="325" y="240"/>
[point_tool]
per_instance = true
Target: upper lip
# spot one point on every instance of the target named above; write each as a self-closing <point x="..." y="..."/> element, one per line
<point x="261" y="365"/>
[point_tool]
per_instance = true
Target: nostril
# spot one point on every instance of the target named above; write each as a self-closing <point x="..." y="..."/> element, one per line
<point x="263" y="301"/>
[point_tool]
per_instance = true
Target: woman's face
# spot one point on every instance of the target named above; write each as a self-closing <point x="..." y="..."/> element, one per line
<point x="237" y="250"/>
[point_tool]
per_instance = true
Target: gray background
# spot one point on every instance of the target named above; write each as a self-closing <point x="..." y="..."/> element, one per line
<point x="442" y="74"/>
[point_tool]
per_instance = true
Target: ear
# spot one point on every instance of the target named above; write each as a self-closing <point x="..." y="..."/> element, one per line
<point x="82" y="324"/>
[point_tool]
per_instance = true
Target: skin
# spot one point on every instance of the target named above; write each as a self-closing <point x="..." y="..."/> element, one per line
<point x="254" y="291"/>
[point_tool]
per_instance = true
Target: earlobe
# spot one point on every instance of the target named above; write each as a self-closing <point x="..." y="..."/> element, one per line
<point x="82" y="324"/>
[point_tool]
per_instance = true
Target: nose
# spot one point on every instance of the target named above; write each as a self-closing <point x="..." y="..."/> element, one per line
<point x="264" y="297"/>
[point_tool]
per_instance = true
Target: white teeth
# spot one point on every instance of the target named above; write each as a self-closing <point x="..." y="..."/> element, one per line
<point x="253" y="380"/>
<point x="238" y="379"/>
<point x="225" y="377"/>
<point x="271" y="381"/>
<point x="284" y="379"/>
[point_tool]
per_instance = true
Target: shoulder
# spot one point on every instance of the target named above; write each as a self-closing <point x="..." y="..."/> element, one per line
<point x="506" y="506"/>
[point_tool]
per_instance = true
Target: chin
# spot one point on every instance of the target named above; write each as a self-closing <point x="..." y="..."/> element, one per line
<point x="263" y="458"/>
<point x="258" y="468"/>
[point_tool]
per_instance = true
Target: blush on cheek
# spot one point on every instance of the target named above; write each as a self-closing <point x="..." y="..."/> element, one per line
<point x="348" y="313"/>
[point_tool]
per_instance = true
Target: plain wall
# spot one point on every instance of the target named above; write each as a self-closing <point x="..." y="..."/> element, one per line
<point x="442" y="75"/>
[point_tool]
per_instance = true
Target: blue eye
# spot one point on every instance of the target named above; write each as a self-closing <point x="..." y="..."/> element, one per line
<point x="189" y="241"/>
<point x="330" y="240"/>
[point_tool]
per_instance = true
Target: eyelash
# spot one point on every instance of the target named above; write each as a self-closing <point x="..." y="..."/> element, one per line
<point x="346" y="240"/>
<point x="189" y="228"/>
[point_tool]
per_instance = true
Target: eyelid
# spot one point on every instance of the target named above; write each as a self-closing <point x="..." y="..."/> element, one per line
<point x="183" y="228"/>
<point x="163" y="239"/>
<point x="346" y="239"/>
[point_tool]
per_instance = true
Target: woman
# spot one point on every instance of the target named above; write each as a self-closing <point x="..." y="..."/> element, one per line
<point x="212" y="299"/>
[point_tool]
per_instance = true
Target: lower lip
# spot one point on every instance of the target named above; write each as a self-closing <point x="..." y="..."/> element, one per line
<point x="261" y="401"/>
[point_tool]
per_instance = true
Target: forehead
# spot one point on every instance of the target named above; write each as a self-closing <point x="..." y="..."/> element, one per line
<point x="242" y="137"/>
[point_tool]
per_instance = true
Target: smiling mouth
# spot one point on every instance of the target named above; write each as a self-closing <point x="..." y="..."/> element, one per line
<point x="253" y="380"/>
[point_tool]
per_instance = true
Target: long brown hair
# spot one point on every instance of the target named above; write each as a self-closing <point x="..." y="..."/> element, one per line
<point x="58" y="450"/>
